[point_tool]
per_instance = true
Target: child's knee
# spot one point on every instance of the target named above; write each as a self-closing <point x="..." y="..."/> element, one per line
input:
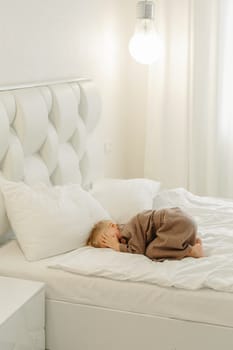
<point x="189" y="222"/>
<point x="184" y="217"/>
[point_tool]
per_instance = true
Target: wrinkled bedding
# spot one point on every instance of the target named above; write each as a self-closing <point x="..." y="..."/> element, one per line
<point x="215" y="225"/>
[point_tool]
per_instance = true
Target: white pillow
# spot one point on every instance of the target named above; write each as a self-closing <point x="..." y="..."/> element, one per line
<point x="50" y="220"/>
<point x="125" y="198"/>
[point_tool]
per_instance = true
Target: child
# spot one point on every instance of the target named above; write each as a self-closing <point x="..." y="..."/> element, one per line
<point x="162" y="234"/>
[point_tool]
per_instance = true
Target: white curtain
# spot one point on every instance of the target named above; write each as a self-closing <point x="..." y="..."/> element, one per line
<point x="189" y="139"/>
<point x="224" y="154"/>
<point x="166" y="138"/>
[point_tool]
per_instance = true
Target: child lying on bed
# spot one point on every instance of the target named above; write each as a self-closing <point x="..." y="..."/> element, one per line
<point x="162" y="234"/>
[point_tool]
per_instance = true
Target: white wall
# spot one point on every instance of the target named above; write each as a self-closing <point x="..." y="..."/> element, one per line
<point x="56" y="39"/>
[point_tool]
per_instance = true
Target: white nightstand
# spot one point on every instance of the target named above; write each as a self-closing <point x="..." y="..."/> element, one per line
<point x="22" y="306"/>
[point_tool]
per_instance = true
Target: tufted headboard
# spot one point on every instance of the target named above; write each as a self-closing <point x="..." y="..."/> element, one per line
<point x="45" y="132"/>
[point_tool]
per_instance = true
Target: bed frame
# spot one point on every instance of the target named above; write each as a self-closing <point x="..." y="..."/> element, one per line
<point x="93" y="327"/>
<point x="47" y="134"/>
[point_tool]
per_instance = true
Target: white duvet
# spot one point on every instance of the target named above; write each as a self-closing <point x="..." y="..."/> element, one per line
<point x="215" y="222"/>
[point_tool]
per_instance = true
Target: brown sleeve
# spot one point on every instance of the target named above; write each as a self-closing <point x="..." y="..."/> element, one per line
<point x="133" y="231"/>
<point x="123" y="248"/>
<point x="133" y="246"/>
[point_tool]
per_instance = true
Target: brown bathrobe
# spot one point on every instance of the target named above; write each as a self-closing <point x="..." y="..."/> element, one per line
<point x="162" y="234"/>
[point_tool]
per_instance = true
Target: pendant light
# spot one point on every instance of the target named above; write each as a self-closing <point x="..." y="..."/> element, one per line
<point x="145" y="46"/>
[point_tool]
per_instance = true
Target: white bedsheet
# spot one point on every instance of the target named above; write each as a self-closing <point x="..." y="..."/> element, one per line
<point x="215" y="222"/>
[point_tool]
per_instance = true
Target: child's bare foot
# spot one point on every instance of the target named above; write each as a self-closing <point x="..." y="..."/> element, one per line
<point x="196" y="251"/>
<point x="198" y="240"/>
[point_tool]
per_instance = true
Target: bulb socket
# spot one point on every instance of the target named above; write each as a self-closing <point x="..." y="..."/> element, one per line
<point x="145" y="10"/>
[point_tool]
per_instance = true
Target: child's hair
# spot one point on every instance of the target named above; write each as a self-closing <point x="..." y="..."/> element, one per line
<point x="96" y="230"/>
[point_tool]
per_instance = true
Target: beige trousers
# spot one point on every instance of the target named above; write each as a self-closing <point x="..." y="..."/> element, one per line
<point x="175" y="234"/>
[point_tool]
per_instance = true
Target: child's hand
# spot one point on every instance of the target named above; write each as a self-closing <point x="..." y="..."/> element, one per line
<point x="110" y="241"/>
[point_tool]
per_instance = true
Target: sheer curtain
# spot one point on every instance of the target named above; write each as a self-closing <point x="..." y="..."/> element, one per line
<point x="189" y="139"/>
<point x="166" y="138"/>
<point x="224" y="179"/>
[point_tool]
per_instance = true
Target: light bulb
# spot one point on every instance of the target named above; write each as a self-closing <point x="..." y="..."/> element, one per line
<point x="145" y="46"/>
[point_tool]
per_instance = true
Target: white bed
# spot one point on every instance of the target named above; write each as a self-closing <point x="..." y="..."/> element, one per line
<point x="86" y="300"/>
<point x="128" y="296"/>
<point x="90" y="312"/>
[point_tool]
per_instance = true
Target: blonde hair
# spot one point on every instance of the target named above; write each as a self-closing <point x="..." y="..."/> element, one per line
<point x="96" y="230"/>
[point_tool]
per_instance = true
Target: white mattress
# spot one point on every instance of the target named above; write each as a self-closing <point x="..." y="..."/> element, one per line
<point x="207" y="306"/>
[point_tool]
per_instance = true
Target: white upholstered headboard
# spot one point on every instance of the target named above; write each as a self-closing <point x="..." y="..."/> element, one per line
<point x="44" y="131"/>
